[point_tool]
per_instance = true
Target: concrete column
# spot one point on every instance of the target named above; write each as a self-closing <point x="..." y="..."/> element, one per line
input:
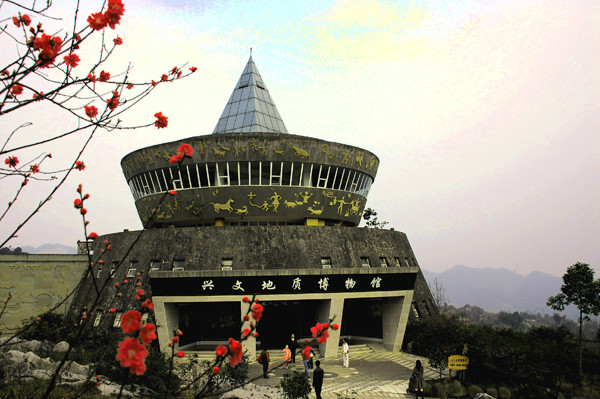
<point x="336" y="310"/>
<point x="166" y="315"/>
<point x="394" y="317"/>
<point x="250" y="343"/>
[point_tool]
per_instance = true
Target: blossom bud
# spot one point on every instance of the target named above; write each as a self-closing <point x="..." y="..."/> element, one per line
<point x="175" y="339"/>
<point x="216" y="370"/>
<point x="180" y="354"/>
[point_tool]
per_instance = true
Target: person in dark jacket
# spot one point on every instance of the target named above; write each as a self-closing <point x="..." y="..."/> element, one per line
<point x="318" y="375"/>
<point x="293" y="348"/>
<point x="265" y="359"/>
<point x="417" y="377"/>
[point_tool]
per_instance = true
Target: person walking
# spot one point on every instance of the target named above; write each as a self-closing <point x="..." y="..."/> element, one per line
<point x="287" y="356"/>
<point x="293" y="348"/>
<point x="417" y="377"/>
<point x="345" y="349"/>
<point x="318" y="376"/>
<point x="264" y="359"/>
<point x="306" y="358"/>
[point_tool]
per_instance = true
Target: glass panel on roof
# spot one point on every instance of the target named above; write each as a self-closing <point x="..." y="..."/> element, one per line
<point x="230" y="123"/>
<point x="268" y="122"/>
<point x="226" y="110"/>
<point x="237" y="94"/>
<point x="259" y="94"/>
<point x="258" y="104"/>
<point x="250" y="106"/>
<point x="242" y="107"/>
<point x="259" y="119"/>
<point x="245" y="93"/>
<point x="238" y="121"/>
<point x="234" y="109"/>
<point x="248" y="119"/>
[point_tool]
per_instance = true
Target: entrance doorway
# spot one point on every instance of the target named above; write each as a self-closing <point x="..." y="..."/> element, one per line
<point x="362" y="318"/>
<point x="209" y="322"/>
<point x="281" y="319"/>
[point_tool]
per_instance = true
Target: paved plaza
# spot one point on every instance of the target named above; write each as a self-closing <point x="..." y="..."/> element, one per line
<point x="373" y="373"/>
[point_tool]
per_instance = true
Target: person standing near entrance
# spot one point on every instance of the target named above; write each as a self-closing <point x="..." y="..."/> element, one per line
<point x="293" y="348"/>
<point x="345" y="349"/>
<point x="318" y="375"/>
<point x="264" y="359"/>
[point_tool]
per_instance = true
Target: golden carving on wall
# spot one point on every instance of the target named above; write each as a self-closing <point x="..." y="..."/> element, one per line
<point x="223" y="207"/>
<point x="299" y="152"/>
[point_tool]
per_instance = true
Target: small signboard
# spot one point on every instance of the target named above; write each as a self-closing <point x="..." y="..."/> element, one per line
<point x="458" y="362"/>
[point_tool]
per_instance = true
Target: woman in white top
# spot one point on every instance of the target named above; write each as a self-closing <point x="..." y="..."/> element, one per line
<point x="346" y="362"/>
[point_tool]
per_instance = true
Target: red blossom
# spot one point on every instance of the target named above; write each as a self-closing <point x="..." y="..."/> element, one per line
<point x="246" y="299"/>
<point x="104" y="76"/>
<point x="173" y="71"/>
<point x="83" y="211"/>
<point x="97" y="21"/>
<point x="38" y="97"/>
<point x="113" y="102"/>
<point x="221" y="351"/>
<point x="77" y="40"/>
<point x="255" y="334"/>
<point x="176" y="158"/>
<point x="323" y="337"/>
<point x="164" y="78"/>
<point x="235" y="348"/>
<point x="161" y="120"/>
<point x="193" y="69"/>
<point x="141" y="292"/>
<point x="148" y="333"/>
<point x="335" y="326"/>
<point x="92" y="77"/>
<point x="93" y="235"/>
<point x="49" y="47"/>
<point x="154" y="83"/>
<point x="180" y="354"/>
<point x="186" y="149"/>
<point x="257" y="310"/>
<point x="114" y="12"/>
<point x="216" y="370"/>
<point x="246" y="332"/>
<point x="12" y="161"/>
<point x="117" y="41"/>
<point x="175" y="339"/>
<point x="246" y="317"/>
<point x="34" y="168"/>
<point x="173" y="192"/>
<point x="91" y="111"/>
<point x="72" y="60"/>
<point x="130" y="86"/>
<point x="79" y="165"/>
<point x="77" y="203"/>
<point x="131" y="321"/>
<point x="147" y="304"/>
<point x="132" y="354"/>
<point x="16" y="90"/>
<point x="23" y="19"/>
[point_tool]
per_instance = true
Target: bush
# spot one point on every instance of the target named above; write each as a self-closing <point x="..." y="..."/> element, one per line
<point x="296" y="385"/>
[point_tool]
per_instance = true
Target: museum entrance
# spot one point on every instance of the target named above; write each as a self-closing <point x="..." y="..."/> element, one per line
<point x="362" y="318"/>
<point x="206" y="323"/>
<point x="281" y="319"/>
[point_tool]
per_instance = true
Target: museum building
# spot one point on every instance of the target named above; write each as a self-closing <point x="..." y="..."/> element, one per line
<point x="257" y="211"/>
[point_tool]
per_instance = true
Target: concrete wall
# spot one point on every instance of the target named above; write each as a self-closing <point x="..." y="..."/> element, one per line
<point x="37" y="283"/>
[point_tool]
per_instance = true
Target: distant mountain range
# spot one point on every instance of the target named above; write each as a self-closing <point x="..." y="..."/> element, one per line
<point x="497" y="290"/>
<point x="50" y="249"/>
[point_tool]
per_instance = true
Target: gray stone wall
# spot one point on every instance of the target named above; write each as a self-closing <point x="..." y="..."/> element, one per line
<point x="37" y="283"/>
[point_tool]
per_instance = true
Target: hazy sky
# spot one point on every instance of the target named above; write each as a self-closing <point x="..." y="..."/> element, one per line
<point x="485" y="115"/>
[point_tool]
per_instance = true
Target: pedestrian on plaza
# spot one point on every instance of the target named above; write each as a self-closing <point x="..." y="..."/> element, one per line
<point x="417" y="377"/>
<point x="318" y="375"/>
<point x="310" y="360"/>
<point x="306" y="358"/>
<point x="264" y="359"/>
<point x="345" y="349"/>
<point x="293" y="348"/>
<point x="287" y="356"/>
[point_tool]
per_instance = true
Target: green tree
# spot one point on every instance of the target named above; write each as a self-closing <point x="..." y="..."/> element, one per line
<point x="371" y="219"/>
<point x="580" y="289"/>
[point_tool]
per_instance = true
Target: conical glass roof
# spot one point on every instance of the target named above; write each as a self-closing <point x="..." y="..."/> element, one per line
<point x="250" y="107"/>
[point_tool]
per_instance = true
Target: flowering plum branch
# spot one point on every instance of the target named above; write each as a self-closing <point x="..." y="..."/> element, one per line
<point x="42" y="71"/>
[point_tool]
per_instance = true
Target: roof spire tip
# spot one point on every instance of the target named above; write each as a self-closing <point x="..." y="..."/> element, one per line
<point x="250" y="51"/>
